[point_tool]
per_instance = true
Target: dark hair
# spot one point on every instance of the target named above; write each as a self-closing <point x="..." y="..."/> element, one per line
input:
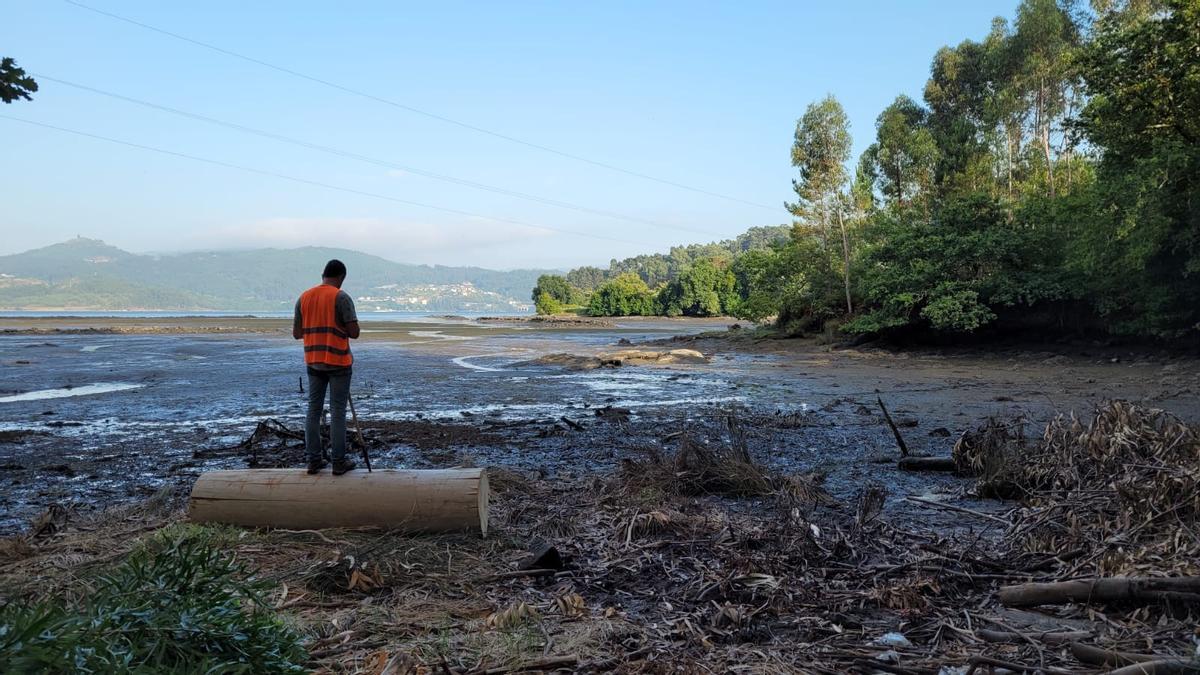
<point x="333" y="269"/>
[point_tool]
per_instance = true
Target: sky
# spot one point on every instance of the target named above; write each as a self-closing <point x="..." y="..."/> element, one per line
<point x="698" y="99"/>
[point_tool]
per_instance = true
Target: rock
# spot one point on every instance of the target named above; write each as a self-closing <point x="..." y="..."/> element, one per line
<point x="624" y="357"/>
<point x="63" y="469"/>
<point x="940" y="432"/>
<point x="647" y="356"/>
<point x="542" y="556"/>
<point x="569" y="361"/>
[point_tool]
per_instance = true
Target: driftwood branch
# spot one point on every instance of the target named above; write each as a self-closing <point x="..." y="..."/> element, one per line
<point x="959" y="509"/>
<point x="1113" y="589"/>
<point x="895" y="431"/>
<point x="1048" y="637"/>
<point x="1097" y="656"/>
<point x="1160" y="667"/>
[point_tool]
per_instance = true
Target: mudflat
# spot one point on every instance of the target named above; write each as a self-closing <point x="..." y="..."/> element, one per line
<point x="97" y="412"/>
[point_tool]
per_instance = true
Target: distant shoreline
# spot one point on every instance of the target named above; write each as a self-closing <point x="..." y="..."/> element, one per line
<point x="376" y="325"/>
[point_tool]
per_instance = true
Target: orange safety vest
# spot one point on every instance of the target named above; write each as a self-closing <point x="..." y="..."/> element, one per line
<point x="325" y="340"/>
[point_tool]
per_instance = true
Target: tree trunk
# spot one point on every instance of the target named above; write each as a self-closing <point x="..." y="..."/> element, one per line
<point x="845" y="260"/>
<point x="414" y="501"/>
<point x="1049" y="161"/>
<point x="824" y="225"/>
<point x="1009" y="164"/>
<point x="1042" y="122"/>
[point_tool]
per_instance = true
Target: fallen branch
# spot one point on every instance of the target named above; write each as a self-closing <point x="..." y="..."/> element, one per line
<point x="519" y="573"/>
<point x="959" y="509"/>
<point x="550" y="663"/>
<point x="1114" y="589"/>
<point x="977" y="663"/>
<point x="1049" y="637"/>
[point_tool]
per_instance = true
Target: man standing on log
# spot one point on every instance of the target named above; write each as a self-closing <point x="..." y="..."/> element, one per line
<point x="326" y="321"/>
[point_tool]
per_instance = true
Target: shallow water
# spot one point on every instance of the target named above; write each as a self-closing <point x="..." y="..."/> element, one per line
<point x="67" y="392"/>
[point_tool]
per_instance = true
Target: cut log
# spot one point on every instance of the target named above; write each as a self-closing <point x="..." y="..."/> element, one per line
<point x="412" y="501"/>
<point x="1114" y="589"/>
<point x="926" y="464"/>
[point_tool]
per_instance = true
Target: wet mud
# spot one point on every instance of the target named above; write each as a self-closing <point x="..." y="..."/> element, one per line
<point x="92" y="418"/>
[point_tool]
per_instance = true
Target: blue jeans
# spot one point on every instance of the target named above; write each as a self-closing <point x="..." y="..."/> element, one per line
<point x="338" y="383"/>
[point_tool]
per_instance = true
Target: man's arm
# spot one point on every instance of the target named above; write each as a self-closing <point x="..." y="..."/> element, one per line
<point x="297" y="324"/>
<point x="347" y="315"/>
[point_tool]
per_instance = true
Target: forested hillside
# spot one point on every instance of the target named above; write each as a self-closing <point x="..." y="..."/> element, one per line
<point x="86" y="273"/>
<point x="658" y="283"/>
<point x="1049" y="180"/>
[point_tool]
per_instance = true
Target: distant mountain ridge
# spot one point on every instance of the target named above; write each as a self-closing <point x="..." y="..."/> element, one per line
<point x="88" y="274"/>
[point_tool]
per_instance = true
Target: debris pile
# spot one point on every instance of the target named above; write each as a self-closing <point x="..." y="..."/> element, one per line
<point x="701" y="559"/>
<point x="1118" y="494"/>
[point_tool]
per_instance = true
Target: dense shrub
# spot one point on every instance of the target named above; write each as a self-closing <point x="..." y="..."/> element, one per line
<point x="180" y="606"/>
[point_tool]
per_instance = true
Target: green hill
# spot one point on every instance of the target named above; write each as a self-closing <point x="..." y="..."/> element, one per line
<point x="90" y="274"/>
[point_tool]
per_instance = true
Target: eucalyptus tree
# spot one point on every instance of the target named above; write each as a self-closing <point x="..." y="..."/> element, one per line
<point x="1044" y="43"/>
<point x="904" y="153"/>
<point x="820" y="150"/>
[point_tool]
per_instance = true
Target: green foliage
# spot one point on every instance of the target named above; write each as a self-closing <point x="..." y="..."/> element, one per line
<point x="688" y="279"/>
<point x="626" y="295"/>
<point x="820" y="149"/>
<point x="793" y="282"/>
<point x="181" y="606"/>
<point x="657" y="269"/>
<point x="904" y="154"/>
<point x="705" y="288"/>
<point x="15" y="85"/>
<point x="554" y="293"/>
<point x="1141" y="250"/>
<point x="546" y="304"/>
<point x="586" y="279"/>
<point x="955" y="270"/>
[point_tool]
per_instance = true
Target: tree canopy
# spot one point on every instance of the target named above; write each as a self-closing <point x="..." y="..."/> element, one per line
<point x="15" y="85"/>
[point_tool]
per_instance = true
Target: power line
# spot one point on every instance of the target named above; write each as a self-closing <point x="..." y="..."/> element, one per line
<point x="371" y="160"/>
<point x="418" y="111"/>
<point x="305" y="181"/>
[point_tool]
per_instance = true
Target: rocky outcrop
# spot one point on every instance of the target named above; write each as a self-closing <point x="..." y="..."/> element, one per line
<point x="624" y="357"/>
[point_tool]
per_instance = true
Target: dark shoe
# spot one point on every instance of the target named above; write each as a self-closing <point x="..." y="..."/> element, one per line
<point x="341" y="466"/>
<point x="315" y="466"/>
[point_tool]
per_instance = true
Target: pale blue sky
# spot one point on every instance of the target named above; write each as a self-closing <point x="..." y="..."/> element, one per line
<point x="702" y="94"/>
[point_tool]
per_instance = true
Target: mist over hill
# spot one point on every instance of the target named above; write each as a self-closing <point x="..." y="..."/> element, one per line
<point x="88" y="274"/>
